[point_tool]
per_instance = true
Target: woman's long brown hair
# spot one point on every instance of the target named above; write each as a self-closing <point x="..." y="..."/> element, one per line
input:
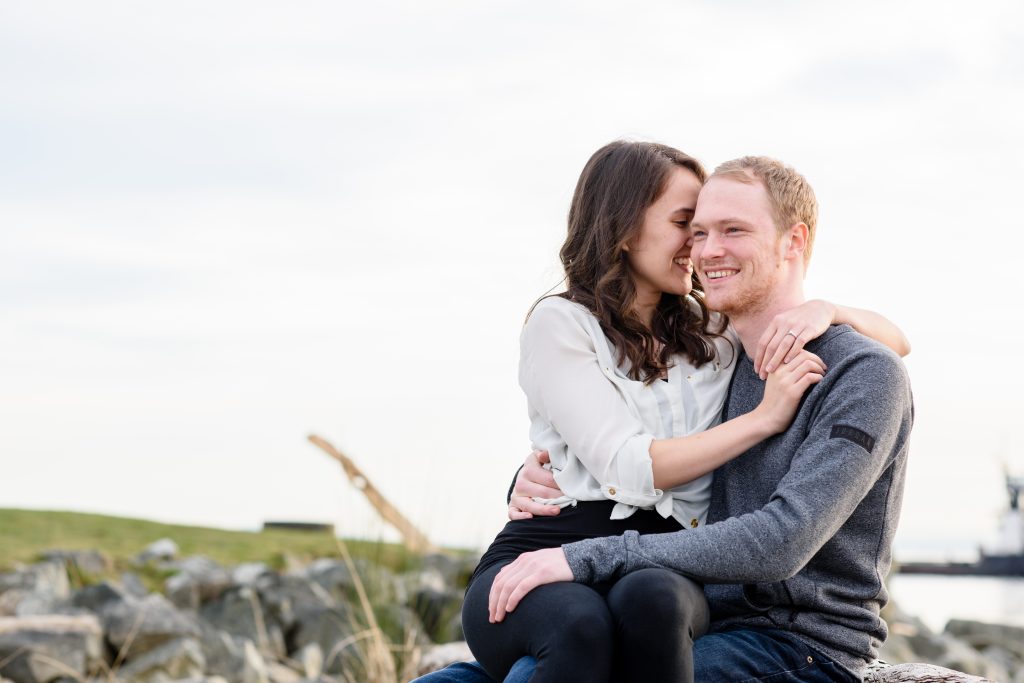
<point x="620" y="181"/>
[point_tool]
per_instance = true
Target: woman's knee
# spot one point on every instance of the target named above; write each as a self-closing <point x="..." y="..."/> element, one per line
<point x="658" y="597"/>
<point x="582" y="622"/>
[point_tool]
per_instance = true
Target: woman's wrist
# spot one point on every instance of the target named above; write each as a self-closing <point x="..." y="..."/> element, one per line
<point x="761" y="423"/>
<point x="840" y="315"/>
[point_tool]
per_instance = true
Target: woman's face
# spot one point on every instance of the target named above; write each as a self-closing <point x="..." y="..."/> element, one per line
<point x="659" y="256"/>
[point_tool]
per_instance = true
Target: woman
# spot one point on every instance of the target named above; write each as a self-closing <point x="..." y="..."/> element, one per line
<point x="626" y="374"/>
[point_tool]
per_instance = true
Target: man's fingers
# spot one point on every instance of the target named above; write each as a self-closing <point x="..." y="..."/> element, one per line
<point x="504" y="583"/>
<point x="523" y="587"/>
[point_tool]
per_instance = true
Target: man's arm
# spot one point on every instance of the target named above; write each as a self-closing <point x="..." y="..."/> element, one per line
<point x="830" y="474"/>
<point x="860" y="427"/>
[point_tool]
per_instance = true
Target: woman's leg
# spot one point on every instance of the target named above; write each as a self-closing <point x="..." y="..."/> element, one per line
<point x="657" y="616"/>
<point x="565" y="626"/>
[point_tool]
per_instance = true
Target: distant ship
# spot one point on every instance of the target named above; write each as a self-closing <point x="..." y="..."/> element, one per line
<point x="1005" y="557"/>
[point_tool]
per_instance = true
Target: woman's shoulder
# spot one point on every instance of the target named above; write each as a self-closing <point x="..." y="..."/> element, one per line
<point x="555" y="308"/>
<point x="558" y="317"/>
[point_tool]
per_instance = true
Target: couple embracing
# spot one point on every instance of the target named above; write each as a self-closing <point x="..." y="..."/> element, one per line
<point x="726" y="458"/>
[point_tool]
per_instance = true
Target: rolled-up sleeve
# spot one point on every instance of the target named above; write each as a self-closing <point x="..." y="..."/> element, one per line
<point x="569" y="387"/>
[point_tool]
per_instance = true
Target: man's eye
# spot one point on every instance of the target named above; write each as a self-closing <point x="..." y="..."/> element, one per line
<point x="682" y="223"/>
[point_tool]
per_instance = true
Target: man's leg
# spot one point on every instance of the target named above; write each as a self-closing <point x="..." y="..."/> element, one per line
<point x="762" y="655"/>
<point x="471" y="672"/>
<point x="657" y="616"/>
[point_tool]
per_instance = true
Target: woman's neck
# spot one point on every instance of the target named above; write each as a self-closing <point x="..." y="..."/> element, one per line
<point x="644" y="307"/>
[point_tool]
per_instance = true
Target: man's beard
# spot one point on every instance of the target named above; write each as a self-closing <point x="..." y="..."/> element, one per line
<point x="751" y="298"/>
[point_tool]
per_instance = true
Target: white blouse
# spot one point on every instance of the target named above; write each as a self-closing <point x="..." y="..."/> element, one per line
<point x="598" y="424"/>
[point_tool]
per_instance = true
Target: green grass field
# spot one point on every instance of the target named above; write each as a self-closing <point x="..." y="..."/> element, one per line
<point x="24" y="534"/>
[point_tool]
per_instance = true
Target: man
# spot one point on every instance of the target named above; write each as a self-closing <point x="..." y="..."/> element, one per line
<point x="800" y="526"/>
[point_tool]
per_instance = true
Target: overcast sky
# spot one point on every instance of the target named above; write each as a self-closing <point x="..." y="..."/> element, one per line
<point x="224" y="226"/>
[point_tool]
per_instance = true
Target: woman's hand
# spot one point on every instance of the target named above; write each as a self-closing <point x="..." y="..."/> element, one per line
<point x="785" y="388"/>
<point x="533" y="481"/>
<point x="521" y="576"/>
<point x="789" y="331"/>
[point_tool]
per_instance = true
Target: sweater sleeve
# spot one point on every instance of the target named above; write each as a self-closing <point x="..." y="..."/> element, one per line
<point x="567" y="385"/>
<point x="862" y="421"/>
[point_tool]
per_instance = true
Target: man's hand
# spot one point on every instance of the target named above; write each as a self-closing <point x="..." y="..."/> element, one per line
<point x="533" y="481"/>
<point x="518" y="578"/>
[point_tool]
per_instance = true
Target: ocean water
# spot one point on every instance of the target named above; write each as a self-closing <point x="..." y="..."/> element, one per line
<point x="937" y="599"/>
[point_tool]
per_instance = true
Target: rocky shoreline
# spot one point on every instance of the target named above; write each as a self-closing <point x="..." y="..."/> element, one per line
<point x="327" y="621"/>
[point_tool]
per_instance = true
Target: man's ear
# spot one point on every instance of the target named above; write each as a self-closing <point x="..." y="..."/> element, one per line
<point x="797" y="240"/>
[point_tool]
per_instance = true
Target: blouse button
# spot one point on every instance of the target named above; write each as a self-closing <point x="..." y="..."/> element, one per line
<point x="694" y="523"/>
<point x="611" y="490"/>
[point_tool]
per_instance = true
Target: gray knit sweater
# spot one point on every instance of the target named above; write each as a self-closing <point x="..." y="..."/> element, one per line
<point x="800" y="526"/>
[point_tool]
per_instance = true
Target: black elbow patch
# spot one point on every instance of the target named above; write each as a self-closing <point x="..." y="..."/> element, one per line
<point x="853" y="435"/>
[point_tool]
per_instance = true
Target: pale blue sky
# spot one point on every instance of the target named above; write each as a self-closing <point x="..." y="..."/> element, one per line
<point x="226" y="225"/>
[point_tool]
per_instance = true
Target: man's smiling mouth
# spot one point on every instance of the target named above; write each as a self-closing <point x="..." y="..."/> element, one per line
<point x="720" y="273"/>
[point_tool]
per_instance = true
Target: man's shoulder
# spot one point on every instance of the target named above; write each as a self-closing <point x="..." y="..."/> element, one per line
<point x="852" y="357"/>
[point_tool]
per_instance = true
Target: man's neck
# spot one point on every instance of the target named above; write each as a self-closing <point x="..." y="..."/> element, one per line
<point x="751" y="325"/>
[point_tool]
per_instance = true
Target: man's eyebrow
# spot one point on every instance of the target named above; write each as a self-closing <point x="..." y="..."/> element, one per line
<point x="724" y="221"/>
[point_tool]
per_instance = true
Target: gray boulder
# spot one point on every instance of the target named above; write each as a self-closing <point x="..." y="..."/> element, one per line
<point x="332" y="630"/>
<point x="981" y="635"/>
<point x="163" y="550"/>
<point x="88" y="562"/>
<point x="454" y="570"/>
<point x="99" y="596"/>
<point x="279" y="673"/>
<point x="240" y="612"/>
<point x="436" y="610"/>
<point x="134" y="625"/>
<point x="287" y="598"/>
<point x="40" y="649"/>
<point x="199" y="580"/>
<point x="310" y="660"/>
<point x="170" y="660"/>
<point x="235" y="659"/>
<point x="251" y="574"/>
<point x="35" y="589"/>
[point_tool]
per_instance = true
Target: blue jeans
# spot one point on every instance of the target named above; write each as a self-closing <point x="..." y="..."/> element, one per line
<point x="471" y="672"/>
<point x="740" y="655"/>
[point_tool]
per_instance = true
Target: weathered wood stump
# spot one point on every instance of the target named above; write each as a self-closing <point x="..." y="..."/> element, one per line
<point x="917" y="673"/>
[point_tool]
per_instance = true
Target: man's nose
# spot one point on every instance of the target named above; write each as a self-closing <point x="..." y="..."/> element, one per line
<point x="711" y="246"/>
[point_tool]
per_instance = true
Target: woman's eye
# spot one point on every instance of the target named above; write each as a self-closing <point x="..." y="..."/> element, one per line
<point x="699" y="234"/>
<point x="682" y="224"/>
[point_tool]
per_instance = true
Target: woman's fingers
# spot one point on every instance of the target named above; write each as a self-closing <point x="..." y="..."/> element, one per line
<point x="803" y="363"/>
<point x="783" y="346"/>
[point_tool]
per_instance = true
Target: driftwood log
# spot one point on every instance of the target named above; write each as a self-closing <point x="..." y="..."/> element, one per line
<point x="415" y="540"/>
<point x="917" y="673"/>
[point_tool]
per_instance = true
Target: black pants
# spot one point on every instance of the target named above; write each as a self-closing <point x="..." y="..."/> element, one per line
<point x="641" y="628"/>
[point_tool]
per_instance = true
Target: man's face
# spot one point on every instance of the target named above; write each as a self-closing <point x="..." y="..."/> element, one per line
<point x="736" y="248"/>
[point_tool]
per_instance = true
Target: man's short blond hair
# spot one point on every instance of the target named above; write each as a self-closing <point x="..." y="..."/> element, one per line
<point x="791" y="197"/>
